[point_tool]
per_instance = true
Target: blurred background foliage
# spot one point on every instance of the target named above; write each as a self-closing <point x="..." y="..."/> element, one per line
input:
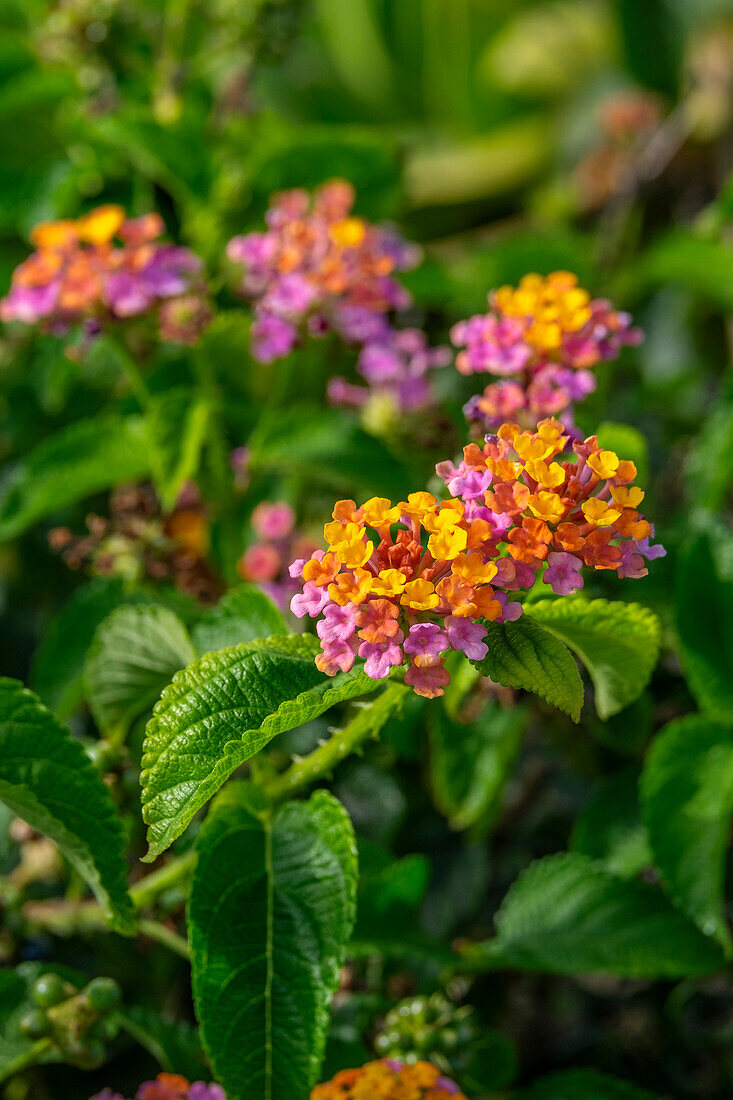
<point x="505" y="136"/>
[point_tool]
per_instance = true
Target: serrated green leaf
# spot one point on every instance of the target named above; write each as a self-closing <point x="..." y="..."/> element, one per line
<point x="242" y="615"/>
<point x="271" y="911"/>
<point x="705" y="626"/>
<point x="80" y="460"/>
<point x="567" y="915"/>
<point x="15" y="1000"/>
<point x="135" y="653"/>
<point x="176" y="423"/>
<point x="470" y="762"/>
<point x="583" y="1084"/>
<point x="219" y="712"/>
<point x="47" y="779"/>
<point x="687" y="797"/>
<point x="617" y="642"/>
<point x="525" y="655"/>
<point x="610" y="828"/>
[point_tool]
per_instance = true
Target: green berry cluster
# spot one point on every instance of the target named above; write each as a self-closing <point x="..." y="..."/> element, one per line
<point x="78" y="1023"/>
<point x="430" y="1029"/>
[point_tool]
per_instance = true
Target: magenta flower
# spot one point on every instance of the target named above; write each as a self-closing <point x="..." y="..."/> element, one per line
<point x="429" y="680"/>
<point x="310" y="601"/>
<point x="338" y="623"/>
<point x="426" y="640"/>
<point x="380" y="657"/>
<point x="467" y="636"/>
<point x="563" y="573"/>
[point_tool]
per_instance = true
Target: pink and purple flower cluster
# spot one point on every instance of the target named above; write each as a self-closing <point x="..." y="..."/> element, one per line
<point x="266" y="562"/>
<point x="318" y="269"/>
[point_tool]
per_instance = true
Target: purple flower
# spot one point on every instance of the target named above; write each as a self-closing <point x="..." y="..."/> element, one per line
<point x="338" y="623"/>
<point x="29" y="303"/>
<point x="466" y="636"/>
<point x="380" y="657"/>
<point x="470" y="485"/>
<point x="126" y="294"/>
<point x="272" y="337"/>
<point x="200" y="1091"/>
<point x="426" y="640"/>
<point x="290" y="296"/>
<point x="510" y="610"/>
<point x="169" y="272"/>
<point x="311" y="601"/>
<point x="632" y="563"/>
<point x="563" y="573"/>
<point x="651" y="553"/>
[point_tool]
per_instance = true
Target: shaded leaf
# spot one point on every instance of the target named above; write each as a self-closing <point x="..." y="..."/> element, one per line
<point x="47" y="779"/>
<point x="176" y="423"/>
<point x="567" y="915"/>
<point x="173" y="1043"/>
<point x="704" y="608"/>
<point x="583" y="1084"/>
<point x="271" y="910"/>
<point x="470" y="763"/>
<point x="617" y="642"/>
<point x="77" y="462"/>
<point x="134" y="654"/>
<point x="687" y="795"/>
<point x="242" y="615"/>
<point x="610" y="828"/>
<point x="526" y="655"/>
<point x="219" y="712"/>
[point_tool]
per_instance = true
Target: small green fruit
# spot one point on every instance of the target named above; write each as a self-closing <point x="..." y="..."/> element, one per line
<point x="35" y="1024"/>
<point x="49" y="990"/>
<point x="104" y="995"/>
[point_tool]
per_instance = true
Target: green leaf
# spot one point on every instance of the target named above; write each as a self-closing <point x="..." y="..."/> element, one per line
<point x="610" y="828"/>
<point x="470" y="763"/>
<point x="567" y="915"/>
<point x="242" y="615"/>
<point x="525" y="655"/>
<point x="173" y="1043"/>
<point x="80" y="460"/>
<point x="176" y="422"/>
<point x="687" y="796"/>
<point x="681" y="258"/>
<point x="47" y="779"/>
<point x="15" y="1000"/>
<point x="57" y="670"/>
<point x="617" y="642"/>
<point x="583" y="1084"/>
<point x="134" y="654"/>
<point x="705" y="626"/>
<point x="331" y="449"/>
<point x="660" y="22"/>
<point x="271" y="911"/>
<point x="219" y="712"/>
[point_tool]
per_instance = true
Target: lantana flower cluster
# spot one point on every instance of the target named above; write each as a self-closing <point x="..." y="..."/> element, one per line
<point x="267" y="561"/>
<point x="169" y="1086"/>
<point x="389" y="1080"/>
<point x="105" y="267"/>
<point x="542" y="339"/>
<point x="318" y="268"/>
<point x="406" y="583"/>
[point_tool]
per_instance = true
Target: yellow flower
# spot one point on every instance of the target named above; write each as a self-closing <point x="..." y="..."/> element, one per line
<point x="549" y="475"/>
<point x="599" y="512"/>
<point x="547" y="506"/>
<point x="351" y="587"/>
<point x="389" y="582"/>
<point x="472" y="569"/>
<point x="447" y="544"/>
<point x="604" y="464"/>
<point x="627" y="496"/>
<point x="100" y="226"/>
<point x="420" y="595"/>
<point x="349" y="233"/>
<point x="378" y="512"/>
<point x="417" y="504"/>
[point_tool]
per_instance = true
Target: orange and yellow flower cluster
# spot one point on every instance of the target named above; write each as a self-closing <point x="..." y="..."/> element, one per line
<point x="389" y="1080"/>
<point x="105" y="266"/>
<point x="405" y="583"/>
<point x="542" y="338"/>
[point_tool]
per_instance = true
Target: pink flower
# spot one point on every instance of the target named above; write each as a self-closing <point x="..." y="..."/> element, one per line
<point x="467" y="637"/>
<point x="338" y="623"/>
<point x="336" y="657"/>
<point x="563" y="573"/>
<point x="427" y="680"/>
<point x="273" y="521"/>
<point x="311" y="601"/>
<point x="380" y="657"/>
<point x="426" y="640"/>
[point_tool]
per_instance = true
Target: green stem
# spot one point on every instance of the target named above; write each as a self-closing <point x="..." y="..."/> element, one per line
<point x="130" y="369"/>
<point x="25" y="1060"/>
<point x="174" y="872"/>
<point x="366" y="723"/>
<point x="166" y="936"/>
